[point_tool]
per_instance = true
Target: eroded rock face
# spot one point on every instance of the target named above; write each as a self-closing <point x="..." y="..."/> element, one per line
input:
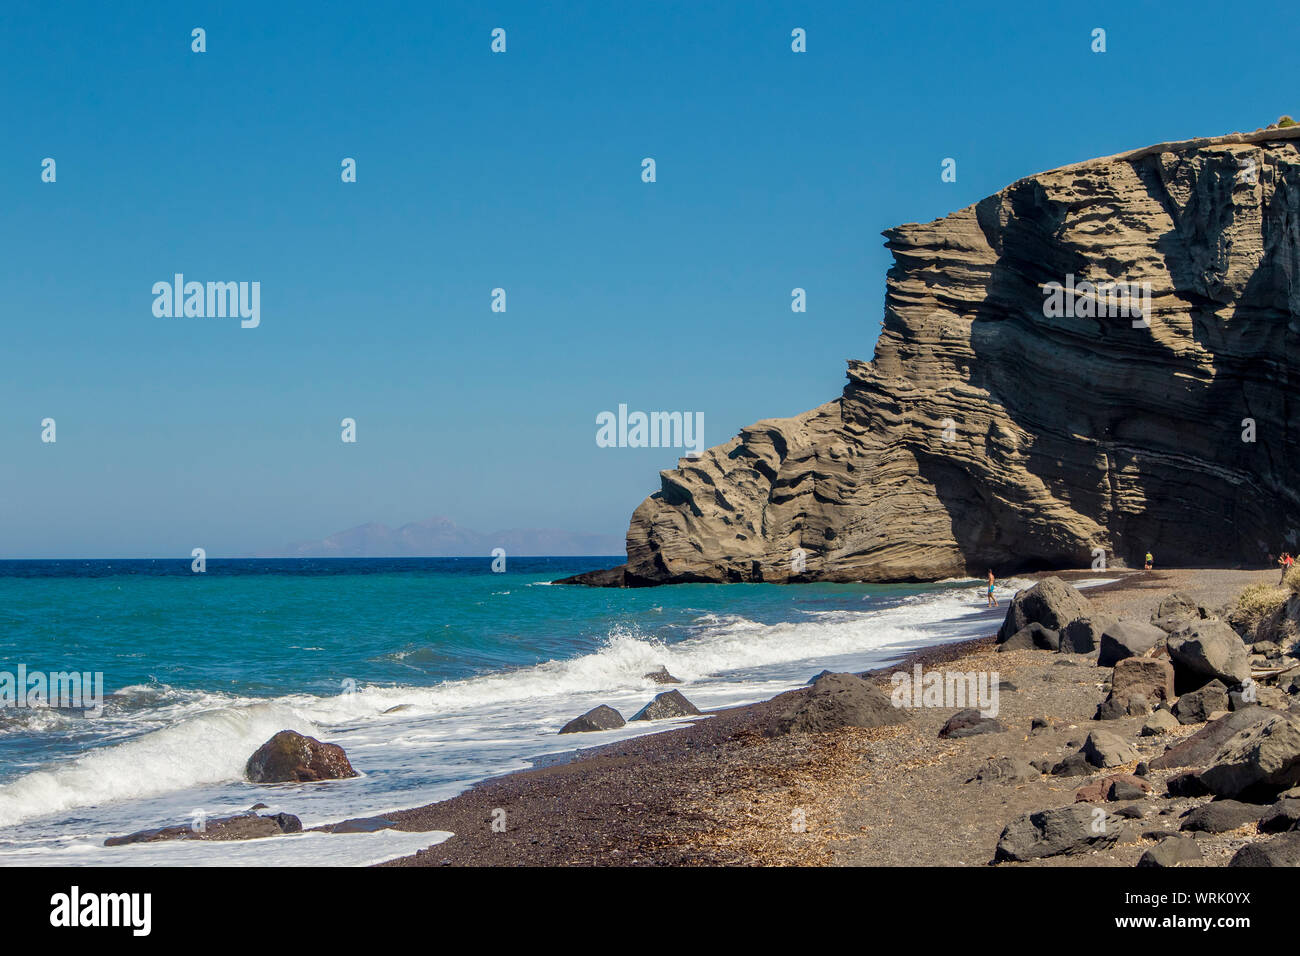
<point x="986" y="435"/>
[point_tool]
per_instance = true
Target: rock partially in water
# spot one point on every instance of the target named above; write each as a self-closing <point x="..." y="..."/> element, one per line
<point x="660" y="675"/>
<point x="240" y="826"/>
<point x="363" y="825"/>
<point x="291" y="757"/>
<point x="668" y="704"/>
<point x="598" y="718"/>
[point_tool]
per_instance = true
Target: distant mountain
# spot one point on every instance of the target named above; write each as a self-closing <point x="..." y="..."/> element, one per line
<point x="443" y="538"/>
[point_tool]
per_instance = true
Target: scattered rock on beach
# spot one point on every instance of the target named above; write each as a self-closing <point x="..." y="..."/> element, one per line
<point x="668" y="704"/>
<point x="1051" y="603"/>
<point x="1195" y="707"/>
<point x="293" y="757"/>
<point x="1177" y="611"/>
<point x="1117" y="786"/>
<point x="1083" y="634"/>
<point x="1220" y="816"/>
<point x="1031" y="636"/>
<point x="1006" y="770"/>
<point x="1171" y="851"/>
<point x="1068" y="830"/>
<point x="1187" y="784"/>
<point x="660" y="675"/>
<point x="598" y="718"/>
<point x="1207" y="650"/>
<point x="1259" y="694"/>
<point x="1152" y="677"/>
<point x="1105" y="749"/>
<point x="1198" y="749"/>
<point x="968" y="723"/>
<point x="1124" y="639"/>
<point x="1113" y="707"/>
<point x="1260" y="760"/>
<point x="1160" y="722"/>
<point x="835" y="701"/>
<point x="1281" y="850"/>
<point x="1283" y="815"/>
<point x="1075" y="765"/>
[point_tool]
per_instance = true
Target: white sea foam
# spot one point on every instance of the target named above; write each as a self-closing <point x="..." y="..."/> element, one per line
<point x="442" y="739"/>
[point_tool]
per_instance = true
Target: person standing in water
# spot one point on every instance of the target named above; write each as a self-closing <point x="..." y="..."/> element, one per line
<point x="993" y="602"/>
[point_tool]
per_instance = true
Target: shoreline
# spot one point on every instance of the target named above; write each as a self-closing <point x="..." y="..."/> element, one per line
<point x="719" y="791"/>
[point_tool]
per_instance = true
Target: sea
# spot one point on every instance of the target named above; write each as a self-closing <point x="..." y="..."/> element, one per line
<point x="431" y="673"/>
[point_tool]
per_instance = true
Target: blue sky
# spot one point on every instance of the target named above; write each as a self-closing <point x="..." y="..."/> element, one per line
<point x="522" y="171"/>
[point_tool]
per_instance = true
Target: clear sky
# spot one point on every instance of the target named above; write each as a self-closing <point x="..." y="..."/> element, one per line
<point x="523" y="171"/>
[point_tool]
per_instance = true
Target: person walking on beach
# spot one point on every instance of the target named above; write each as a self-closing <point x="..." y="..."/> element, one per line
<point x="1150" y="561"/>
<point x="993" y="602"/>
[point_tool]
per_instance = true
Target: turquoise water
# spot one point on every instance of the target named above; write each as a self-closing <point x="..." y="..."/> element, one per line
<point x="432" y="673"/>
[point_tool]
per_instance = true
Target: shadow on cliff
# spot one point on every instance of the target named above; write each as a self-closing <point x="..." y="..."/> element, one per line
<point x="1137" y="430"/>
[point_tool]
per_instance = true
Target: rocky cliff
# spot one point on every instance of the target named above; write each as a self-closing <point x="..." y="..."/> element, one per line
<point x="991" y="431"/>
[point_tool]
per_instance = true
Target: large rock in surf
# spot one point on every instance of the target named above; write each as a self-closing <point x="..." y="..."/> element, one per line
<point x="1072" y="829"/>
<point x="598" y="718"/>
<point x="835" y="701"/>
<point x="240" y="826"/>
<point x="1051" y="603"/>
<point x="993" y="430"/>
<point x="293" y="757"/>
<point x="668" y="704"/>
<point x="660" y="675"/>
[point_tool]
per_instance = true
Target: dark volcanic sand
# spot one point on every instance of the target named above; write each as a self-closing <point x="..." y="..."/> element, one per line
<point x="721" y="791"/>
